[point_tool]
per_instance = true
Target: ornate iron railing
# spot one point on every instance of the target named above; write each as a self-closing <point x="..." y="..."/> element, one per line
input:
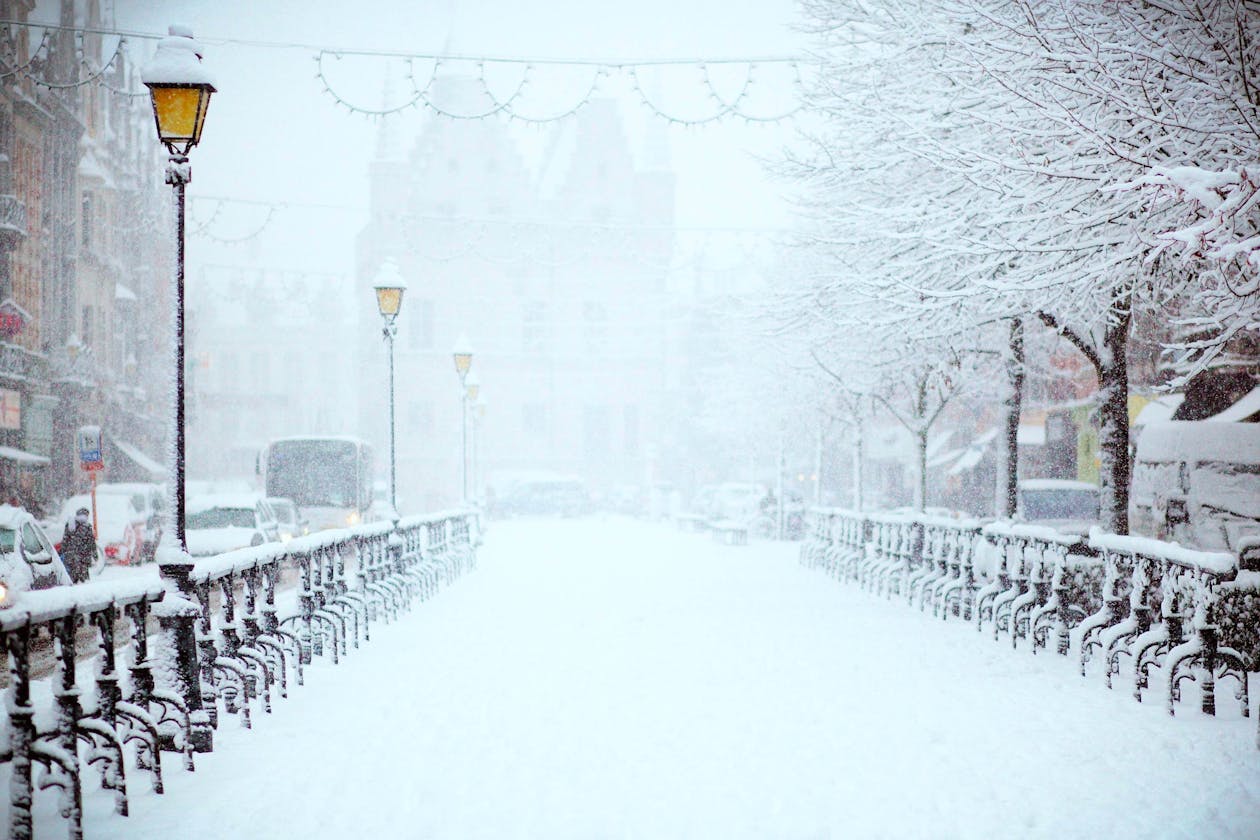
<point x="1155" y="607"/>
<point x="253" y="638"/>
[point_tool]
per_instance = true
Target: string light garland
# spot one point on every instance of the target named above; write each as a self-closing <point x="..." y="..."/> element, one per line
<point x="509" y="107"/>
<point x="421" y="95"/>
<point x="204" y="229"/>
<point x="93" y="74"/>
<point x="10" y="56"/>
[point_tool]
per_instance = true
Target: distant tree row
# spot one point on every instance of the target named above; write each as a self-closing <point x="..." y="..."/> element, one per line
<point x="983" y="171"/>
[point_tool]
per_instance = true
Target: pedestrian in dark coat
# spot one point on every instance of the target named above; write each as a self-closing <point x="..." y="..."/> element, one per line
<point x="78" y="546"/>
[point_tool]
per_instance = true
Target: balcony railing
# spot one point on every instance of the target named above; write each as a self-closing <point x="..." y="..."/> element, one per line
<point x="12" y="219"/>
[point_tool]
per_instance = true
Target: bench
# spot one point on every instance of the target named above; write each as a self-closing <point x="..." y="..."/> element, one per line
<point x="729" y="533"/>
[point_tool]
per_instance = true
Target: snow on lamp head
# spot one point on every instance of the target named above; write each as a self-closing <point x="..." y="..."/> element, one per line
<point x="180" y="87"/>
<point x="463" y="354"/>
<point x="389" y="290"/>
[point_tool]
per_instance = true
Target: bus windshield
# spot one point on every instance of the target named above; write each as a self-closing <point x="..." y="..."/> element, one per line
<point x="315" y="473"/>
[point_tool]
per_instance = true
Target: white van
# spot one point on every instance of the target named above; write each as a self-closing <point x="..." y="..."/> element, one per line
<point x="1197" y="483"/>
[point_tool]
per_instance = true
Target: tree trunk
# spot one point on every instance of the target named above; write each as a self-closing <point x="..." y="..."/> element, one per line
<point x="1113" y="425"/>
<point x="857" y="464"/>
<point x="818" y="460"/>
<point x="778" y="481"/>
<point x="920" y="487"/>
<point x="1008" y="457"/>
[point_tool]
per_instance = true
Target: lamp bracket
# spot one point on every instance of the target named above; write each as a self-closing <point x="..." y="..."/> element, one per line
<point x="178" y="169"/>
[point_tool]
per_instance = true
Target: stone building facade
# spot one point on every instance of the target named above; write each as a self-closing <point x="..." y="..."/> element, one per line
<point x="85" y="256"/>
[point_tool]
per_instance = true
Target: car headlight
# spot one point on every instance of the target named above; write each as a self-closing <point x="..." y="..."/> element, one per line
<point x="353" y="518"/>
<point x="4" y="595"/>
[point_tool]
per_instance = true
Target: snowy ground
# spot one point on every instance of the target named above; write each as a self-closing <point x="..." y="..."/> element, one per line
<point x="615" y="679"/>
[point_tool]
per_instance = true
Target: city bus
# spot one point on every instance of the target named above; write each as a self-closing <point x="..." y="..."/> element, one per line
<point x="328" y="477"/>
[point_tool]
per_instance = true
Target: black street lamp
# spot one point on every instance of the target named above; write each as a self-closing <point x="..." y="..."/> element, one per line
<point x="389" y="295"/>
<point x="472" y="387"/>
<point x="463" y="356"/>
<point x="180" y="87"/>
<point x="478" y="446"/>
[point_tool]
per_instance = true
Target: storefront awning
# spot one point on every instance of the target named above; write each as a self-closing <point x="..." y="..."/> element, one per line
<point x="156" y="471"/>
<point x="25" y="459"/>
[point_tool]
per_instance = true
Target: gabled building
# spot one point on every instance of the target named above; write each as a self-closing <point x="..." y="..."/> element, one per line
<point x="554" y="269"/>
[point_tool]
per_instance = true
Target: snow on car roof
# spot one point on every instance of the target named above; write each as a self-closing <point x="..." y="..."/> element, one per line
<point x="11" y="517"/>
<point x="105" y="502"/>
<point x="197" y="504"/>
<point x="1055" y="484"/>
<point x="1200" y="440"/>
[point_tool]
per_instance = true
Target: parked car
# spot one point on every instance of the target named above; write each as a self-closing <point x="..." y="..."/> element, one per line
<point x="120" y="526"/>
<point x="219" y="523"/>
<point x="546" y="497"/>
<point x="702" y="502"/>
<point x="1072" y="507"/>
<point x="625" y="498"/>
<point x="149" y="499"/>
<point x="28" y="559"/>
<point x="1197" y="483"/>
<point x="290" y="522"/>
<point x="738" y="501"/>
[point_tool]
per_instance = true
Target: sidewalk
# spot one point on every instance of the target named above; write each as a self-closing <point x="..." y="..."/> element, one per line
<point x="615" y="679"/>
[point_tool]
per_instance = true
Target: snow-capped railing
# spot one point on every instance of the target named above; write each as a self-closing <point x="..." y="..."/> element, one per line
<point x="346" y="580"/>
<point x="1190" y="615"/>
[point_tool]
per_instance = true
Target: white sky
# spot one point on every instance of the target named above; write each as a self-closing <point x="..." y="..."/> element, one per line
<point x="273" y="134"/>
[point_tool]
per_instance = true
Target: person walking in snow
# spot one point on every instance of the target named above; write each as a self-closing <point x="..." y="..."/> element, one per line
<point x="78" y="546"/>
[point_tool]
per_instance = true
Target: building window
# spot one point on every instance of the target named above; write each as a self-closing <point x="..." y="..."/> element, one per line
<point x="228" y="372"/>
<point x="596" y="429"/>
<point x="420" y="336"/>
<point x="534" y="333"/>
<point x="534" y="420"/>
<point x="595" y="326"/>
<point x="86" y="221"/>
<point x="631" y="423"/>
<point x="420" y="417"/>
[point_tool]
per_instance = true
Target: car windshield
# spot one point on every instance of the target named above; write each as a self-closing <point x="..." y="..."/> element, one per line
<point x="284" y="512"/>
<point x="1060" y="504"/>
<point x="221" y="517"/>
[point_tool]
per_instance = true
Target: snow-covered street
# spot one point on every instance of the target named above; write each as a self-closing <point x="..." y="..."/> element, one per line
<point x="608" y="678"/>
